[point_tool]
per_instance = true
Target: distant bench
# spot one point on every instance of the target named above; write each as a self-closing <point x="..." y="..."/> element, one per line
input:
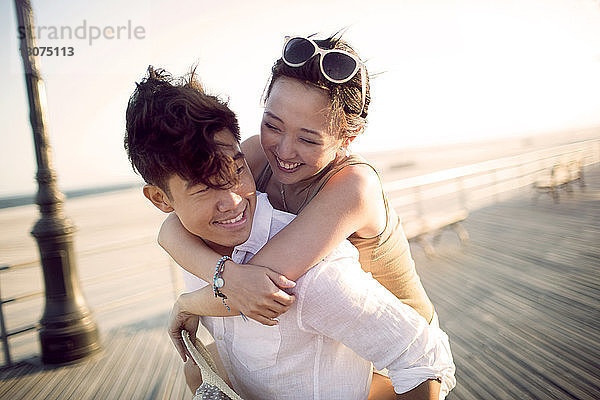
<point x="561" y="177"/>
<point x="421" y="228"/>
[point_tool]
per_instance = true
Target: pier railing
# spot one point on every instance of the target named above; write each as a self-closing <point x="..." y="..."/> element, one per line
<point x="473" y="186"/>
<point x="5" y="333"/>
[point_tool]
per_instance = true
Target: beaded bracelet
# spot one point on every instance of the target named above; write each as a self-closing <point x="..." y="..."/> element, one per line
<point x="218" y="281"/>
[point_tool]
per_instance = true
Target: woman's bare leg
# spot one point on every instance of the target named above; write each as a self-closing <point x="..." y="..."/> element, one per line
<point x="381" y="388"/>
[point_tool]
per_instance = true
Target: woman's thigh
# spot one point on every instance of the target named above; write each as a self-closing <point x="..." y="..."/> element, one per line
<point x="381" y="388"/>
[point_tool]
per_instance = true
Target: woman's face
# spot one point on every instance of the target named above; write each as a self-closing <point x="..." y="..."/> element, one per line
<point x="295" y="134"/>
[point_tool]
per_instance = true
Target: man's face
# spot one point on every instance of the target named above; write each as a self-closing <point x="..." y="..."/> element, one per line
<point x="222" y="217"/>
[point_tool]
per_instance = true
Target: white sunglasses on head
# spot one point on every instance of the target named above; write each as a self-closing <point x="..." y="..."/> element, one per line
<point x="337" y="66"/>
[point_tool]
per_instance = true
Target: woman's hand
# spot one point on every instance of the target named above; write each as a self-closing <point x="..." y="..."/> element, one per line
<point x="257" y="292"/>
<point x="251" y="289"/>
<point x="181" y="320"/>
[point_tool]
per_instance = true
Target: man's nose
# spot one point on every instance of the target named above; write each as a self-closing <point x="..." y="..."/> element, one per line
<point x="228" y="200"/>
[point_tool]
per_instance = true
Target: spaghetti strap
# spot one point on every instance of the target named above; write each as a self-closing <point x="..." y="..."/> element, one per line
<point x="263" y="178"/>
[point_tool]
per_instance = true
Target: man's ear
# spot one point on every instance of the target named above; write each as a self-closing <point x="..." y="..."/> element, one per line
<point x="158" y="197"/>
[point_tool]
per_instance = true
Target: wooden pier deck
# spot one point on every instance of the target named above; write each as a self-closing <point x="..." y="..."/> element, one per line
<point x="521" y="304"/>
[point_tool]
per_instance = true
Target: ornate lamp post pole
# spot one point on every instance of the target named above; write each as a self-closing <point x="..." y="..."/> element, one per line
<point x="68" y="332"/>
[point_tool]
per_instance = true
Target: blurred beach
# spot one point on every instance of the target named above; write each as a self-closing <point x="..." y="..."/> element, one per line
<point x="393" y="164"/>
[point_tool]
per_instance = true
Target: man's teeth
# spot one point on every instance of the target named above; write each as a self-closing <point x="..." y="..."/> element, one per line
<point x="286" y="165"/>
<point x="233" y="220"/>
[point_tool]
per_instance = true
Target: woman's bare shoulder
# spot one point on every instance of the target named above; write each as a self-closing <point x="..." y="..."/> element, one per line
<point x="358" y="188"/>
<point x="255" y="156"/>
<point x="358" y="178"/>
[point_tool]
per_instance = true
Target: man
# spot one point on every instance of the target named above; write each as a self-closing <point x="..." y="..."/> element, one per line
<point x="185" y="144"/>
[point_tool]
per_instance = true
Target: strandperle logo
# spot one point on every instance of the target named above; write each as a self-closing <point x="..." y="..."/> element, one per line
<point x="90" y="33"/>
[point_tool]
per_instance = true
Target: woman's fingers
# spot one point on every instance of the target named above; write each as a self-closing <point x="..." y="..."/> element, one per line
<point x="280" y="280"/>
<point x="284" y="299"/>
<point x="257" y="292"/>
<point x="263" y="319"/>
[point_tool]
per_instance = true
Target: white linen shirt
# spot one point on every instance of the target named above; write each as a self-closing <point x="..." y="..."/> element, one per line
<point x="322" y="348"/>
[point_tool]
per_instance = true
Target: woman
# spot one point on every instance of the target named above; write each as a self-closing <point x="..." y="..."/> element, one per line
<point x="316" y="104"/>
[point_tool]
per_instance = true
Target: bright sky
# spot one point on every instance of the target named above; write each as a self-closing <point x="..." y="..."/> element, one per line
<point x="454" y="70"/>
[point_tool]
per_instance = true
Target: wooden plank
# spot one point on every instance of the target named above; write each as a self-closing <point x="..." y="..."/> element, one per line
<point x="131" y="364"/>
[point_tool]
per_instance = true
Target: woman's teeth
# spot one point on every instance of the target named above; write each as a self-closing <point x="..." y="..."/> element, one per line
<point x="286" y="165"/>
<point x="233" y="220"/>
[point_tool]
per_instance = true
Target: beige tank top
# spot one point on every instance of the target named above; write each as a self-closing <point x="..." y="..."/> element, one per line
<point x="386" y="256"/>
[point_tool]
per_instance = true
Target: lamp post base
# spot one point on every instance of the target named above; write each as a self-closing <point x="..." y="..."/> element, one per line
<point x="68" y="332"/>
<point x="67" y="341"/>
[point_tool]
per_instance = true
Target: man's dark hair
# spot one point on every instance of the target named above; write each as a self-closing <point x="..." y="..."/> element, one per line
<point x="170" y="129"/>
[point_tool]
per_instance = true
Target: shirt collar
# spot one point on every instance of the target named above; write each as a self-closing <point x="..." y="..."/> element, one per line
<point x="261" y="226"/>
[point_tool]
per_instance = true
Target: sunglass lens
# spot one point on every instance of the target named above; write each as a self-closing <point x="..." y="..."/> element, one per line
<point x="338" y="66"/>
<point x="298" y="50"/>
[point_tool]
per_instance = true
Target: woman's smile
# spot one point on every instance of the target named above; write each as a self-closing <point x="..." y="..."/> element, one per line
<point x="287" y="166"/>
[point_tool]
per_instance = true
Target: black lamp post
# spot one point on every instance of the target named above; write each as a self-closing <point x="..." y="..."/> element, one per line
<point x="68" y="332"/>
